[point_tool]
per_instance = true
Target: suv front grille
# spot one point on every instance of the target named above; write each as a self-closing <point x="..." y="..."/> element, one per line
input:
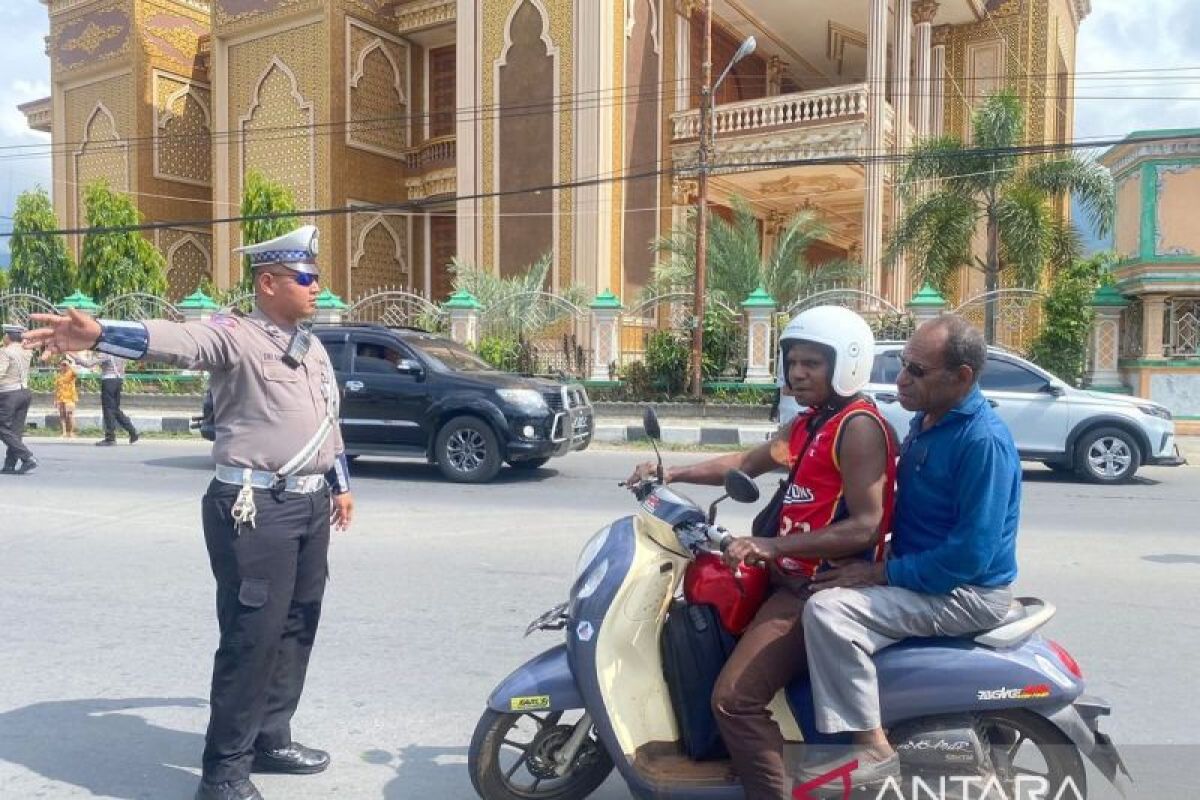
<point x="566" y="397"/>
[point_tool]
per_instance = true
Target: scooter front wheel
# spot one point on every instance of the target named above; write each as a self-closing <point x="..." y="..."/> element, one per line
<point x="512" y="757"/>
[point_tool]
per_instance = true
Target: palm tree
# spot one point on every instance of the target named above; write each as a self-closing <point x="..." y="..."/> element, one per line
<point x="735" y="264"/>
<point x="988" y="184"/>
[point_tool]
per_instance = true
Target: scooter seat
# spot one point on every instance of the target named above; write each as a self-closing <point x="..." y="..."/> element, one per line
<point x="1025" y="616"/>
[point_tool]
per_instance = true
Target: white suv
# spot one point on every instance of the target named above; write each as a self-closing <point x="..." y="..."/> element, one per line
<point x="1102" y="436"/>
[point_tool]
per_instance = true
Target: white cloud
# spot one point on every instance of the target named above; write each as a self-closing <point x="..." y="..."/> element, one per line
<point x="1120" y="36"/>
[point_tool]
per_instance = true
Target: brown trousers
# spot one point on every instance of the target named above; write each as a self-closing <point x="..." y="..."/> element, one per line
<point x="767" y="658"/>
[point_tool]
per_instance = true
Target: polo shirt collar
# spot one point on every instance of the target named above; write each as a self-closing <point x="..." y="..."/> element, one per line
<point x="969" y="406"/>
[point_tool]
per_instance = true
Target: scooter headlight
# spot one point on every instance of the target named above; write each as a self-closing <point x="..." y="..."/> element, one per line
<point x="588" y="554"/>
<point x="592" y="582"/>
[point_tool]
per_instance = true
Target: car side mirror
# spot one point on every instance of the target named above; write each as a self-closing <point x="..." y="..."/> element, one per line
<point x="1054" y="389"/>
<point x="409" y="366"/>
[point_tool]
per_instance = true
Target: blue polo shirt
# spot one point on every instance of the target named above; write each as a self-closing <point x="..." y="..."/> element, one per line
<point x="958" y="500"/>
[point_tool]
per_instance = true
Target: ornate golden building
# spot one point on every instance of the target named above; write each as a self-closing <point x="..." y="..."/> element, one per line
<point x="522" y="126"/>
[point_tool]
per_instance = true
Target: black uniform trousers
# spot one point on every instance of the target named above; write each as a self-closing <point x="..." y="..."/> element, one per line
<point x="270" y="581"/>
<point x="14" y="409"/>
<point x="110" y="405"/>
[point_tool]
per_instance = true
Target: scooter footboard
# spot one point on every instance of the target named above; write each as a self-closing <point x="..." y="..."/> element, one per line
<point x="544" y="683"/>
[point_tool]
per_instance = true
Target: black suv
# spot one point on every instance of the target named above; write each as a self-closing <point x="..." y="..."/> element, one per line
<point x="408" y="392"/>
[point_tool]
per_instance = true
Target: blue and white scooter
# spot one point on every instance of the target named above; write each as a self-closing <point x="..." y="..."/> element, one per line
<point x="1003" y="712"/>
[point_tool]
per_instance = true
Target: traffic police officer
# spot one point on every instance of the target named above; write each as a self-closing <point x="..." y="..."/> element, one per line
<point x="268" y="511"/>
<point x="14" y="401"/>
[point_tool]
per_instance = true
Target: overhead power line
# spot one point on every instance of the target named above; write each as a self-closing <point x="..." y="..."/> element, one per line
<point x="967" y="156"/>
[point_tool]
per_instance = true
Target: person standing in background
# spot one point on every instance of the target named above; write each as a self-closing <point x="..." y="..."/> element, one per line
<point x="66" y="396"/>
<point x="14" y="401"/>
<point x="112" y="379"/>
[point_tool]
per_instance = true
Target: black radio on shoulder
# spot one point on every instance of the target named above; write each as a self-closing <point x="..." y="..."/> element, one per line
<point x="298" y="347"/>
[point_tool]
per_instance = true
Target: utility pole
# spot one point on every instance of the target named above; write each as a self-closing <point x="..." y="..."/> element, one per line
<point x="702" y="155"/>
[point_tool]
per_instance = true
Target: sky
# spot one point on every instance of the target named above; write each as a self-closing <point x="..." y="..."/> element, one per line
<point x="1119" y="35"/>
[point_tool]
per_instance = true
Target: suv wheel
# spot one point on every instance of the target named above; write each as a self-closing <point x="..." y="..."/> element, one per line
<point x="1107" y="455"/>
<point x="467" y="451"/>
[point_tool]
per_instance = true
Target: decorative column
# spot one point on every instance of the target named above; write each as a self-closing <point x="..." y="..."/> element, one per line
<point x="923" y="13"/>
<point x="330" y="308"/>
<point x="900" y="135"/>
<point x="776" y="66"/>
<point x="760" y="344"/>
<point x="1105" y="340"/>
<point x="925" y="305"/>
<point x="1153" y="308"/>
<point x="80" y="302"/>
<point x="937" y="85"/>
<point x="463" y="309"/>
<point x="606" y="336"/>
<point x="876" y="85"/>
<point x="197" y="307"/>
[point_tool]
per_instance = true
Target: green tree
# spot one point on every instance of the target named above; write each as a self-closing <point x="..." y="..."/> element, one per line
<point x="121" y="261"/>
<point x="262" y="197"/>
<point x="40" y="262"/>
<point x="735" y="265"/>
<point x="989" y="185"/>
<point x="1067" y="314"/>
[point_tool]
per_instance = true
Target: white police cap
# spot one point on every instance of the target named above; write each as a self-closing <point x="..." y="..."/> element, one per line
<point x="296" y="250"/>
<point x="15" y="331"/>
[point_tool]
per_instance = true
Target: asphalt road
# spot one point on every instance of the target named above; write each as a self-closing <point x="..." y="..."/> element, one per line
<point x="107" y="613"/>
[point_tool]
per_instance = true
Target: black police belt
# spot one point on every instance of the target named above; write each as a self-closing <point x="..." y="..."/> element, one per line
<point x="285" y="479"/>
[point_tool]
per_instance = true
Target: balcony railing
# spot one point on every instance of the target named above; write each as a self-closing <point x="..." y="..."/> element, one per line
<point x="434" y="154"/>
<point x="842" y="103"/>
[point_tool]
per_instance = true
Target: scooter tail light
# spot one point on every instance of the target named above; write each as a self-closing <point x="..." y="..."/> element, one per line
<point x="1067" y="661"/>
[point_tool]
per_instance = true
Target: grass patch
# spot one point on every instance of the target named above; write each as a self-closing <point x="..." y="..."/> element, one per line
<point x="669" y="447"/>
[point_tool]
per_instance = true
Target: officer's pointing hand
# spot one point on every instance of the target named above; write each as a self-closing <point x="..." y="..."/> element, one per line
<point x="341" y="511"/>
<point x="61" y="334"/>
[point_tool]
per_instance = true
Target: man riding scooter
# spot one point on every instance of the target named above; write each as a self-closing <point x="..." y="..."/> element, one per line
<point x="836" y="504"/>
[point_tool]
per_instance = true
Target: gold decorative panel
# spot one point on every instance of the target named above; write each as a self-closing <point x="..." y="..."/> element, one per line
<point x="378" y="262"/>
<point x="89" y="38"/>
<point x="559" y="15"/>
<point x="377" y="77"/>
<point x="170" y="36"/>
<point x="275" y="89"/>
<point x="182" y="146"/>
<point x="99" y="117"/>
<point x="189" y="261"/>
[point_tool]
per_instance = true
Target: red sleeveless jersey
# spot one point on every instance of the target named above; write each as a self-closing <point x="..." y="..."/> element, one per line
<point x="815" y="500"/>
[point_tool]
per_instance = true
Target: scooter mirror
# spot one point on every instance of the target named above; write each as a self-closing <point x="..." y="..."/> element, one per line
<point x="740" y="486"/>
<point x="650" y="423"/>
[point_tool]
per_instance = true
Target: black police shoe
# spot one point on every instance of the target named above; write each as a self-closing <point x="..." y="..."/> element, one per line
<point x="295" y="759"/>
<point x="9" y="468"/>
<point x="106" y="443"/>
<point x="28" y="465"/>
<point x="228" y="790"/>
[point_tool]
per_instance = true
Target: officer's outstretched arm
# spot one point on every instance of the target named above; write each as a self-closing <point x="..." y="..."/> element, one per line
<point x="209" y="345"/>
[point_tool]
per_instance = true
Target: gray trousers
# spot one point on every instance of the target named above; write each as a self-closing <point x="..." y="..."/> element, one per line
<point x="844" y="628"/>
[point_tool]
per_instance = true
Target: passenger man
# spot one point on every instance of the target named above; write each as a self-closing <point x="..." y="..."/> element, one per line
<point x="953" y="550"/>
<point x="268" y="511"/>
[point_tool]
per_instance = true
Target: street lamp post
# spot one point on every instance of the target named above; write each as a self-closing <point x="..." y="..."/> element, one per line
<point x="707" y="138"/>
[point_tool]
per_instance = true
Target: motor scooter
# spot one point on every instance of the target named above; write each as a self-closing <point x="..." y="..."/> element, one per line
<point x="1004" y="711"/>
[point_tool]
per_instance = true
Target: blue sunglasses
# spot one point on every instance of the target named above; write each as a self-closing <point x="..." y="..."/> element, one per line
<point x="301" y="278"/>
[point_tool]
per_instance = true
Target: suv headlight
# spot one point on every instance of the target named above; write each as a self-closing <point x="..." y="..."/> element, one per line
<point x="527" y="401"/>
<point x="1155" y="411"/>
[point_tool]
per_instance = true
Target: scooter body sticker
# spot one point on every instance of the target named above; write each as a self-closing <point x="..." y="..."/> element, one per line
<point x="537" y="702"/>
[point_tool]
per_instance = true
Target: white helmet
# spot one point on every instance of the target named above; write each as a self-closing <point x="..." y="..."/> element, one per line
<point x="844" y="332"/>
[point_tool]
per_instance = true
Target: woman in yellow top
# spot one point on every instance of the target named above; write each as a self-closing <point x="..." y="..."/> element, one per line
<point x="66" y="395"/>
